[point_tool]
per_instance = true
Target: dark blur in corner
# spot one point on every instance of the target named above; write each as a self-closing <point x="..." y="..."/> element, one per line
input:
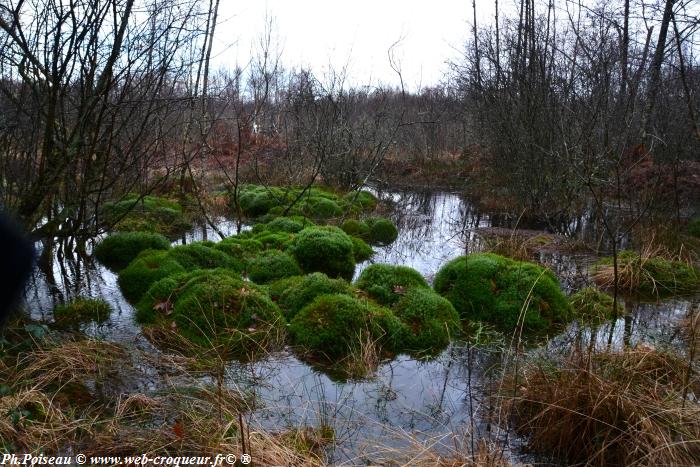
<point x="16" y="261"/>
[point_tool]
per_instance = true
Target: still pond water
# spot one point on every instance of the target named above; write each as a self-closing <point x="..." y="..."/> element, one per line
<point x="430" y="400"/>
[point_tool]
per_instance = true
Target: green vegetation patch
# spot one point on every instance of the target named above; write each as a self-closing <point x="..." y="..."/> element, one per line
<point x="300" y="292"/>
<point x="82" y="309"/>
<point x="381" y="231"/>
<point x="161" y="296"/>
<point x="356" y="228"/>
<point x="314" y="202"/>
<point x="272" y="265"/>
<point x="360" y="250"/>
<point x="201" y="255"/>
<point x="275" y="240"/>
<point x="492" y="288"/>
<point x="361" y="201"/>
<point x="647" y="276"/>
<point x="387" y="283"/>
<point x="593" y="306"/>
<point x="325" y="249"/>
<point x="213" y="309"/>
<point x="283" y="224"/>
<point x="119" y="249"/>
<point x="148" y="267"/>
<point x="148" y="214"/>
<point x="240" y="250"/>
<point x="431" y="321"/>
<point x="334" y="326"/>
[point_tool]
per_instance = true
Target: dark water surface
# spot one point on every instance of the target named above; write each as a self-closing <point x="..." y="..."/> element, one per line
<point x="406" y="398"/>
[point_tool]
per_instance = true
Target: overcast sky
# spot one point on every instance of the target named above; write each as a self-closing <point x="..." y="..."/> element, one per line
<point x="316" y="33"/>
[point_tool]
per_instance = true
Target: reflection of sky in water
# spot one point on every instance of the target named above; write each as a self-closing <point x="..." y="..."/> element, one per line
<point x="427" y="399"/>
<point x="431" y="231"/>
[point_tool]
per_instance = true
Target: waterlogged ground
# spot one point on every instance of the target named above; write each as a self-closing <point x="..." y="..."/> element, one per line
<point x="406" y="398"/>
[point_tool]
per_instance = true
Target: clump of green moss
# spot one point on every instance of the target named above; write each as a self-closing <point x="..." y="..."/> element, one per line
<point x="283" y="224"/>
<point x="387" y="283"/>
<point x="119" y="249"/>
<point x="325" y="249"/>
<point x="361" y="201"/>
<point x="240" y="250"/>
<point x="215" y="310"/>
<point x="375" y="230"/>
<point x="300" y="292"/>
<point x="381" y="231"/>
<point x="275" y="240"/>
<point x="491" y="288"/>
<point x="431" y="321"/>
<point x="360" y="250"/>
<point x="272" y="265"/>
<point x="648" y="276"/>
<point x="256" y="200"/>
<point x="161" y="296"/>
<point x="277" y="288"/>
<point x="82" y="309"/>
<point x="147" y="213"/>
<point x="356" y="228"/>
<point x="315" y="202"/>
<point x="321" y="208"/>
<point x="148" y="267"/>
<point x="202" y="256"/>
<point x="593" y="306"/>
<point x="694" y="227"/>
<point x="332" y="326"/>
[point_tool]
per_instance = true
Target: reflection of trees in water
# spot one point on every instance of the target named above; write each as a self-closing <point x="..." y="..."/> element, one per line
<point x="433" y="228"/>
<point x="63" y="272"/>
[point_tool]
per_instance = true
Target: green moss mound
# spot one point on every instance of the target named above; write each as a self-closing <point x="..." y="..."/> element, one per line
<point x="322" y="208"/>
<point x="651" y="277"/>
<point x="276" y="288"/>
<point x="256" y="200"/>
<point x="148" y="267"/>
<point x="272" y="265"/>
<point x="362" y="201"/>
<point x="202" y="256"/>
<point x="119" y="249"/>
<point x="593" y="306"/>
<point x="356" y="228"/>
<point x="161" y="296"/>
<point x="431" y="321"/>
<point x="387" y="283"/>
<point x="240" y="250"/>
<point x="694" y="227"/>
<point x="381" y="231"/>
<point x="333" y="326"/>
<point x="360" y="250"/>
<point x="275" y="240"/>
<point x="81" y="310"/>
<point x="221" y="311"/>
<point x="283" y="224"/>
<point x="299" y="293"/>
<point x="492" y="288"/>
<point x="149" y="214"/>
<point x="315" y="202"/>
<point x="325" y="249"/>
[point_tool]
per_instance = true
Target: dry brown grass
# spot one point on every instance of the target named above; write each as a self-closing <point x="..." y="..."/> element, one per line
<point x="652" y="272"/>
<point x="363" y="359"/>
<point x="33" y="423"/>
<point x="450" y="451"/>
<point x="68" y="362"/>
<point x="616" y="408"/>
<point x="41" y="415"/>
<point x="513" y="246"/>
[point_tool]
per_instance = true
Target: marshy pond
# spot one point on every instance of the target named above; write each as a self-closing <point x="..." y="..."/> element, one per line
<point x="431" y="401"/>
